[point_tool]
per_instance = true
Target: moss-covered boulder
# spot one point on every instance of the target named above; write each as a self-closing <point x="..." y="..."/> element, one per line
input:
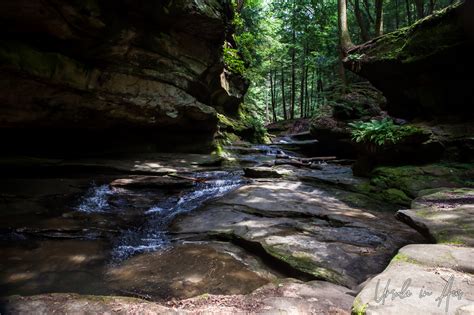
<point x="421" y="279"/>
<point x="400" y="184"/>
<point x="445" y="216"/>
<point x="424" y="70"/>
<point x="360" y="101"/>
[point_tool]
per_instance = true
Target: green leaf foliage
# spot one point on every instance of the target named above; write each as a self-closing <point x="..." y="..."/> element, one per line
<point x="381" y="132"/>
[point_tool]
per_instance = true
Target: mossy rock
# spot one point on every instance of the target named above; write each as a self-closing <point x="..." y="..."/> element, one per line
<point x="400" y="185"/>
<point x="304" y="262"/>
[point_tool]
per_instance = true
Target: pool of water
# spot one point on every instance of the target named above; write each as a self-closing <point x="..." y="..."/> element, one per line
<point x="82" y="242"/>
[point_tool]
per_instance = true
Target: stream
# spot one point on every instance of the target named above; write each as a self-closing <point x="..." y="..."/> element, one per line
<point x="81" y="233"/>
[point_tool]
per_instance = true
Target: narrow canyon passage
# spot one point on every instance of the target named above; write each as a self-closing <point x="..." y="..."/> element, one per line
<point x="236" y="157"/>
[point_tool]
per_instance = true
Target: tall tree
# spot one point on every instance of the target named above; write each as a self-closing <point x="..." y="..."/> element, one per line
<point x="344" y="35"/>
<point x="420" y="8"/>
<point x="293" y="61"/>
<point x="283" y="99"/>
<point x="378" y="18"/>
<point x="272" y="93"/>
<point x="344" y="38"/>
<point x="408" y="5"/>
<point x="364" y="33"/>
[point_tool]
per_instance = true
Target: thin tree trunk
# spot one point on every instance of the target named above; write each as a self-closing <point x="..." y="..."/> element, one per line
<point x="432" y="6"/>
<point x="272" y="92"/>
<point x="407" y="2"/>
<point x="303" y="77"/>
<point x="378" y="18"/>
<point x="397" y="14"/>
<point x="306" y="93"/>
<point x="293" y="77"/>
<point x="420" y="8"/>
<point x="344" y="38"/>
<point x="367" y="11"/>
<point x="311" y="94"/>
<point x="285" y="115"/>
<point x="364" y="34"/>
<point x="293" y="60"/>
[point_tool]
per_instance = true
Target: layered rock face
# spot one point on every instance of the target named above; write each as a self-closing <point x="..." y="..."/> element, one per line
<point x="424" y="70"/>
<point x="140" y="75"/>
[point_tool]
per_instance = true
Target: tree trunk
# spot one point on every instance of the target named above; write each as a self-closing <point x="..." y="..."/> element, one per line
<point x="420" y="8"/>
<point x="364" y="34"/>
<point x="397" y="14"/>
<point x="432" y="6"/>
<point x="306" y="94"/>
<point x="283" y="101"/>
<point x="303" y="78"/>
<point x="344" y="36"/>
<point x="293" y="77"/>
<point x="409" y="19"/>
<point x="367" y="11"/>
<point x="311" y="94"/>
<point x="378" y="18"/>
<point x="293" y="60"/>
<point x="272" y="92"/>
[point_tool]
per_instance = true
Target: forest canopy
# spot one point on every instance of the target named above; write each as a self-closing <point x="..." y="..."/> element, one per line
<point x="290" y="50"/>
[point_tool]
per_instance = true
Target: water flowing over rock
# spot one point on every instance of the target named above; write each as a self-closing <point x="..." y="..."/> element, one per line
<point x="125" y="74"/>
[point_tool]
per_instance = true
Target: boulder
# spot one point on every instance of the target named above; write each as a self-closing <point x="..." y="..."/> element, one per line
<point x="401" y="184"/>
<point x="445" y="216"/>
<point x="421" y="279"/>
<point x="331" y="128"/>
<point x="424" y="70"/>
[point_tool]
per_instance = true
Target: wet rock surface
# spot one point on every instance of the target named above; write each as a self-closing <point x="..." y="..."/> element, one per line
<point x="309" y="229"/>
<point x="180" y="231"/>
<point x="185" y="271"/>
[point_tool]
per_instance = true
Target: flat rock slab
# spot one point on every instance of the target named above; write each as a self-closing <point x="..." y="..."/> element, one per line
<point x="443" y="273"/>
<point x="287" y="297"/>
<point x="310" y="230"/>
<point x="75" y="304"/>
<point x="445" y="216"/>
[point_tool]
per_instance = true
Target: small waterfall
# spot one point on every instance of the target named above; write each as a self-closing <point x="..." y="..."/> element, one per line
<point x="95" y="199"/>
<point x="153" y="234"/>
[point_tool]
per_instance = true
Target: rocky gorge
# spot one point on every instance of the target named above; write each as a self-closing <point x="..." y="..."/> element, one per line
<point x="129" y="183"/>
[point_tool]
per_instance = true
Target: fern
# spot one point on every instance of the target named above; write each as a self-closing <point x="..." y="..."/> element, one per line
<point x="381" y="132"/>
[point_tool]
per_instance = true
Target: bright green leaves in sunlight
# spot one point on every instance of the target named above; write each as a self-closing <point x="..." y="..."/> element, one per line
<point x="232" y="60"/>
<point x="381" y="132"/>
